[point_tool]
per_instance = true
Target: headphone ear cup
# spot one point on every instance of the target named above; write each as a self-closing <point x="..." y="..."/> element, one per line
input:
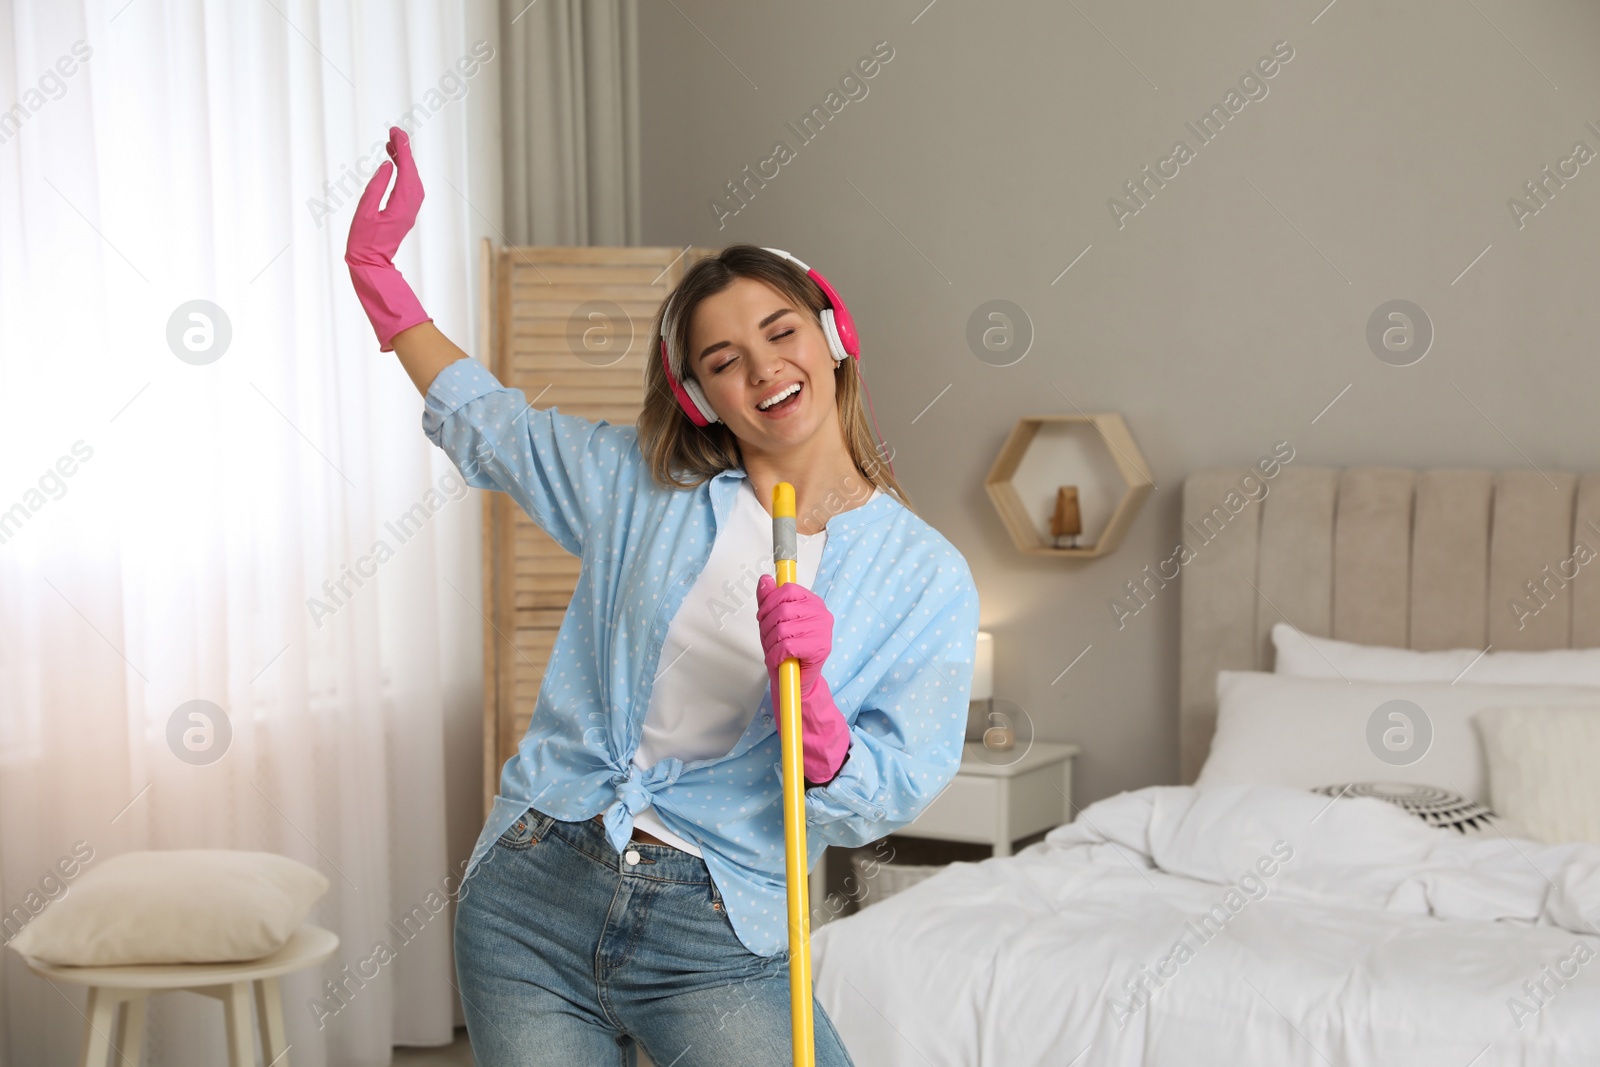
<point x="830" y="330"/>
<point x="692" y="387"/>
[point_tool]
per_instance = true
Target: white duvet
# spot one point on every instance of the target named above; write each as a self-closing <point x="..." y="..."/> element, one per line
<point x="1175" y="927"/>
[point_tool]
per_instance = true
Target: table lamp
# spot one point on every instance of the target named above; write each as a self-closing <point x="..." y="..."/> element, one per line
<point x="983" y="681"/>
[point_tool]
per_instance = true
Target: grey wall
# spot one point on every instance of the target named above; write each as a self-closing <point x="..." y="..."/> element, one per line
<point x="1222" y="318"/>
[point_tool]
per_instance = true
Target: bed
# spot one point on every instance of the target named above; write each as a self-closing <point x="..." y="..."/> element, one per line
<point x="1244" y="917"/>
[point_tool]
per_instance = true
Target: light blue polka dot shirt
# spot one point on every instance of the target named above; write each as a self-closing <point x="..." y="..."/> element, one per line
<point x="905" y="613"/>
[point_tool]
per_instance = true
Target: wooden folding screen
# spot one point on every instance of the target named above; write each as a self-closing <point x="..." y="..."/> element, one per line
<point x="570" y="327"/>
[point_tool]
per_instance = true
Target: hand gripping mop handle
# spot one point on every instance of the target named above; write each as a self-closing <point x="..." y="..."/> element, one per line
<point x="794" y="795"/>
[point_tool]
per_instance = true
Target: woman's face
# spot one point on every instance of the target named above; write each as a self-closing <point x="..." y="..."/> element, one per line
<point x="750" y="342"/>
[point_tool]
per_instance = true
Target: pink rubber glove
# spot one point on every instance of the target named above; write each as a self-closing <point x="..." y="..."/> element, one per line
<point x="795" y="622"/>
<point x="375" y="238"/>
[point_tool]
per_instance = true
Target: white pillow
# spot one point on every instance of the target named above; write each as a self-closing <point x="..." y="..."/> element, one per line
<point x="181" y="906"/>
<point x="1542" y="770"/>
<point x="1304" y="655"/>
<point x="1311" y="732"/>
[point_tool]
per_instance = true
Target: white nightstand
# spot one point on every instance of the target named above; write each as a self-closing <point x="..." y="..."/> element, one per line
<point x="990" y="802"/>
<point x="994" y="802"/>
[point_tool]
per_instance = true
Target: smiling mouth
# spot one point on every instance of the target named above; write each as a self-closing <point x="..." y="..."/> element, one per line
<point x="787" y="404"/>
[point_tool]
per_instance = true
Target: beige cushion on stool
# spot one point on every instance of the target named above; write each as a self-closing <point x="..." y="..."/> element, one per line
<point x="175" y="906"/>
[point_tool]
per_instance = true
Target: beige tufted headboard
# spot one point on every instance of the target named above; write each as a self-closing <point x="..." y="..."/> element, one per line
<point x="1418" y="558"/>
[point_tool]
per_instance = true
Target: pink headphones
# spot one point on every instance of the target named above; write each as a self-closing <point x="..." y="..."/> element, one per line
<point x="837" y="326"/>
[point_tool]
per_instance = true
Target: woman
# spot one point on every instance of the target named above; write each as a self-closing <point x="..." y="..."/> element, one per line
<point x="629" y="885"/>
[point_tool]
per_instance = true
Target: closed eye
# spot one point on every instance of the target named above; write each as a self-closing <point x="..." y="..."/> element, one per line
<point x="729" y="362"/>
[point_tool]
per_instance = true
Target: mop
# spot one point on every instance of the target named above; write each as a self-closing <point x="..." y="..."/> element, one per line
<point x="784" y="564"/>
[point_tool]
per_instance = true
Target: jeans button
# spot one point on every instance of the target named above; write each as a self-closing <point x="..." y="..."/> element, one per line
<point x="632" y="856"/>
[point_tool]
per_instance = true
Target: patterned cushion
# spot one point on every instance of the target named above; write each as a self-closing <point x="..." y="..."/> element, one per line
<point x="1442" y="808"/>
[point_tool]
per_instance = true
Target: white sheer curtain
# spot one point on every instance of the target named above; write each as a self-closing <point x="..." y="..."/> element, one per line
<point x="240" y="507"/>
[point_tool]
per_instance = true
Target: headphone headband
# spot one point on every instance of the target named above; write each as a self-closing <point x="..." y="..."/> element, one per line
<point x="837" y="326"/>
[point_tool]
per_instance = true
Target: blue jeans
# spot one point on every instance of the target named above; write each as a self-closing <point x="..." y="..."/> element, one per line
<point x="567" y="955"/>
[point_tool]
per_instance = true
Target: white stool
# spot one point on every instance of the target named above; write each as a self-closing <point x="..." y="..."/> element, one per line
<point x="231" y="983"/>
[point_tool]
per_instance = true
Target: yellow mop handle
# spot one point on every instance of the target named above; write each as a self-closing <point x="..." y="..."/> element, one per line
<point x="794" y="796"/>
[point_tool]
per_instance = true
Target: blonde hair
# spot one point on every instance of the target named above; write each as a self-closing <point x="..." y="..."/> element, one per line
<point x="682" y="455"/>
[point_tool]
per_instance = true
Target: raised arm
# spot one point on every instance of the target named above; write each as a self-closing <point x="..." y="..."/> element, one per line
<point x="424" y="352"/>
<point x="570" y="474"/>
<point x="375" y="235"/>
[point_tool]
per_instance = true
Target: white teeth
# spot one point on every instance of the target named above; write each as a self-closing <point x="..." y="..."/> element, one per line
<point x="780" y="397"/>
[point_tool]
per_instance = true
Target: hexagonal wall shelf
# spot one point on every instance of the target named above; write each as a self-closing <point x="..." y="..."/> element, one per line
<point x="1044" y="452"/>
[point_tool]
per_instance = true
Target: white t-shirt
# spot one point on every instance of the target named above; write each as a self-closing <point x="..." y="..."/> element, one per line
<point x="713" y="674"/>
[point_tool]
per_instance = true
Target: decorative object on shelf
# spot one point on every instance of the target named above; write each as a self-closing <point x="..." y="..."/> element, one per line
<point x="1026" y="476"/>
<point x="1068" y="519"/>
<point x="982" y="685"/>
